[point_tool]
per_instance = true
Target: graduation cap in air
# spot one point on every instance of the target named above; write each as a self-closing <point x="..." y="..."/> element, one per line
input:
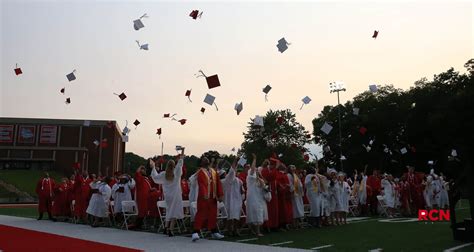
<point x="87" y="123"/>
<point x="142" y="46"/>
<point x="242" y="161"/>
<point x="96" y="143"/>
<point x="18" y="70"/>
<point x="233" y="149"/>
<point x="203" y="110"/>
<point x="136" y="123"/>
<point x="158" y="132"/>
<point x="355" y="111"/>
<point x="182" y="121"/>
<point x="373" y="88"/>
<point x="125" y="131"/>
<point x="239" y="107"/>
<point x="71" y="76"/>
<point x="76" y="165"/>
<point x="326" y="128"/>
<point x="258" y="121"/>
<point x="122" y="96"/>
<point x="138" y="24"/>
<point x="209" y="99"/>
<point x="188" y="94"/>
<point x="362" y="130"/>
<point x="403" y="151"/>
<point x="124" y="138"/>
<point x="104" y="143"/>
<point x="195" y="14"/>
<point x="454" y="153"/>
<point x="68" y="100"/>
<point x="282" y="45"/>
<point x="212" y="81"/>
<point x="63" y="90"/>
<point x="168" y="115"/>
<point x="306" y="100"/>
<point x="266" y="90"/>
<point x="280" y="120"/>
<point x="376" y="33"/>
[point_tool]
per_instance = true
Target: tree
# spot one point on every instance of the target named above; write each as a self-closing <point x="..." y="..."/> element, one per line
<point x="281" y="134"/>
<point x="131" y="162"/>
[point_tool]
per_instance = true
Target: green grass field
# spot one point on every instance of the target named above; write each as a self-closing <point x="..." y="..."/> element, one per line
<point x="25" y="180"/>
<point x="360" y="235"/>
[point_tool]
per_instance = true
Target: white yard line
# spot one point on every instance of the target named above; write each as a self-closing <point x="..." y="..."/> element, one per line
<point x="246" y="240"/>
<point x="280" y="243"/>
<point x="458" y="247"/>
<point x="321" y="247"/>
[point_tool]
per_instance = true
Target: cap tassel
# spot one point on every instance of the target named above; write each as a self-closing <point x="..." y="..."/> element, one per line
<point x="200" y="14"/>
<point x="217" y="109"/>
<point x="301" y="106"/>
<point x="266" y="97"/>
<point x="189" y="96"/>
<point x="200" y="75"/>
<point x="144" y="16"/>
<point x="16" y="65"/>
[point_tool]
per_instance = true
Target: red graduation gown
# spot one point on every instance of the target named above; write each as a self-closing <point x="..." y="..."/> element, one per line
<point x="285" y="205"/>
<point x="61" y="204"/>
<point x="210" y="189"/>
<point x="270" y="175"/>
<point x="81" y="195"/>
<point x="44" y="190"/>
<point x="143" y="188"/>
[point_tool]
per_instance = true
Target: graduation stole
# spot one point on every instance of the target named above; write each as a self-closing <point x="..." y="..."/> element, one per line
<point x="210" y="180"/>
<point x="315" y="184"/>
<point x="50" y="189"/>
<point x="361" y="186"/>
<point x="296" y="184"/>
<point x="148" y="182"/>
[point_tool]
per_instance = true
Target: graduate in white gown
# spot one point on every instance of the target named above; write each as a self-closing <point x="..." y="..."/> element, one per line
<point x="232" y="186"/>
<point x="428" y="191"/>
<point x="343" y="192"/>
<point x="99" y="202"/>
<point x="389" y="193"/>
<point x="170" y="179"/>
<point x="256" y="206"/>
<point x="444" y="200"/>
<point x="314" y="194"/>
<point x="122" y="191"/>
<point x="193" y="195"/>
<point x="296" y="187"/>
<point x="436" y="199"/>
<point x="332" y="196"/>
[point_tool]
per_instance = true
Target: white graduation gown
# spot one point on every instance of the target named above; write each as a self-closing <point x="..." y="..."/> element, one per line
<point x="388" y="193"/>
<point x="99" y="203"/>
<point x="326" y="197"/>
<point x="333" y="197"/>
<point x="126" y="195"/>
<point x="297" y="199"/>
<point x="171" y="191"/>
<point x="193" y="195"/>
<point x="444" y="199"/>
<point x="428" y="194"/>
<point x="362" y="191"/>
<point x="232" y="195"/>
<point x="256" y="205"/>
<point x="343" y="193"/>
<point x="436" y="200"/>
<point x="313" y="192"/>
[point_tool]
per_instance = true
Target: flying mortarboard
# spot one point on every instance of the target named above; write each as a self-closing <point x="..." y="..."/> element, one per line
<point x="403" y="151"/>
<point x="104" y="143"/>
<point x="258" y="121"/>
<point x="63" y="90"/>
<point x="96" y="143"/>
<point x="209" y="99"/>
<point x="355" y="111"/>
<point x="212" y="81"/>
<point x="138" y="24"/>
<point x="376" y="33"/>
<point x="68" y="100"/>
<point x="282" y="45"/>
<point x="242" y="161"/>
<point x="18" y="70"/>
<point x="158" y="132"/>
<point x="71" y="76"/>
<point x="188" y="94"/>
<point x="454" y="153"/>
<point x="239" y="107"/>
<point x="233" y="149"/>
<point x="182" y="121"/>
<point x="203" y="110"/>
<point x="122" y="96"/>
<point x="195" y="14"/>
<point x="362" y="130"/>
<point x="280" y="120"/>
<point x="373" y="88"/>
<point x="87" y="123"/>
<point x="136" y="123"/>
<point x="326" y="128"/>
<point x="266" y="90"/>
<point x="143" y="46"/>
<point x="305" y="101"/>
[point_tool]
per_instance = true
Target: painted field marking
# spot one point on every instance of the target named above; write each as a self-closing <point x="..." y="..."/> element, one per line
<point x="280" y="243"/>
<point x="246" y="240"/>
<point x="376" y="250"/>
<point x="458" y="247"/>
<point x="399" y="220"/>
<point x="357" y="218"/>
<point x="321" y="247"/>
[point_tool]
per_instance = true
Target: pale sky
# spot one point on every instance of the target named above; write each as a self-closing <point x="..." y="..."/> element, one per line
<point x="237" y="41"/>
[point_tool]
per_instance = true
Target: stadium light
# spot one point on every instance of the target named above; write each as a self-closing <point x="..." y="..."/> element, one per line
<point x="336" y="87"/>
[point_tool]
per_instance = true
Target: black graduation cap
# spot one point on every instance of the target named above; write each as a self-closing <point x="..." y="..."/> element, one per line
<point x="376" y="33"/>
<point x="212" y="81"/>
<point x="203" y="110"/>
<point x="136" y="123"/>
<point x="195" y="14"/>
<point x="71" y="76"/>
<point x="158" y="132"/>
<point x="68" y="100"/>
<point x="18" y="70"/>
<point x="188" y="94"/>
<point x="62" y="90"/>
<point x="122" y="96"/>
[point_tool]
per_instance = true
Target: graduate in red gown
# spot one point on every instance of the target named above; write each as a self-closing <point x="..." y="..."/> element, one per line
<point x="415" y="189"/>
<point x="142" y="191"/>
<point x="61" y="202"/>
<point x="81" y="194"/>
<point x="155" y="195"/>
<point x="375" y="184"/>
<point x="209" y="192"/>
<point x="45" y="191"/>
<point x="285" y="206"/>
<point x="269" y="174"/>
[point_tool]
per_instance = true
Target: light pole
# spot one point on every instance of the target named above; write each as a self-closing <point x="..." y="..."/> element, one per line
<point x="336" y="87"/>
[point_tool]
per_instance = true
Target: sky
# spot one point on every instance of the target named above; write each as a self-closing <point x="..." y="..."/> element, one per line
<point x="330" y="41"/>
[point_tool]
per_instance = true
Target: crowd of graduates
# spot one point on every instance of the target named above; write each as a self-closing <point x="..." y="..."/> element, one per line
<point x="269" y="197"/>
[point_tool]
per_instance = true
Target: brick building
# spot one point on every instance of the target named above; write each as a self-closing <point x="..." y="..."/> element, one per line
<point x="57" y="144"/>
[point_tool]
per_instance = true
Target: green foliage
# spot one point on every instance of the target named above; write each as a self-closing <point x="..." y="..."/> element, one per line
<point x="429" y="120"/>
<point x="131" y="162"/>
<point x="287" y="137"/>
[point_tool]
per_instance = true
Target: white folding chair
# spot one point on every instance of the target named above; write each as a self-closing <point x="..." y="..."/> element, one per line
<point x="383" y="207"/>
<point x="162" y="205"/>
<point x="129" y="209"/>
<point x="187" y="215"/>
<point x="222" y="214"/>
<point x="353" y="207"/>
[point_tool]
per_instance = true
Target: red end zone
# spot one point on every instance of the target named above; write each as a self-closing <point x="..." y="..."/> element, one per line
<point x="19" y="239"/>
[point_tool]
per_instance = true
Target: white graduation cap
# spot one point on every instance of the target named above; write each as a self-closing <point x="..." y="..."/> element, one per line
<point x="242" y="161"/>
<point x="282" y="45"/>
<point x="326" y="128"/>
<point x="71" y="76"/>
<point x="143" y="46"/>
<point x="430" y="162"/>
<point x="87" y="123"/>
<point x="373" y="88"/>
<point x="403" y="150"/>
<point x="125" y="130"/>
<point x="239" y="107"/>
<point x="305" y="101"/>
<point x="343" y="158"/>
<point x="413" y="105"/>
<point x="367" y="148"/>
<point x="355" y="111"/>
<point x="124" y="138"/>
<point x="454" y="153"/>
<point x="96" y="142"/>
<point x="280" y="155"/>
<point x="258" y="121"/>
<point x="209" y="99"/>
<point x="371" y="142"/>
<point x="138" y="24"/>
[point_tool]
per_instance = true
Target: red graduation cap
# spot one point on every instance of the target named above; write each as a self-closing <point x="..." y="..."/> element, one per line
<point x="182" y="121"/>
<point x="195" y="14"/>
<point x="306" y="157"/>
<point x="203" y="110"/>
<point x="280" y="120"/>
<point x="18" y="70"/>
<point x="363" y="130"/>
<point x="68" y="100"/>
<point x="188" y="94"/>
<point x="376" y="33"/>
<point x="76" y="165"/>
<point x="122" y="96"/>
<point x="158" y="132"/>
<point x="104" y="143"/>
<point x="136" y="123"/>
<point x="166" y="115"/>
<point x="212" y="81"/>
<point x="62" y="90"/>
